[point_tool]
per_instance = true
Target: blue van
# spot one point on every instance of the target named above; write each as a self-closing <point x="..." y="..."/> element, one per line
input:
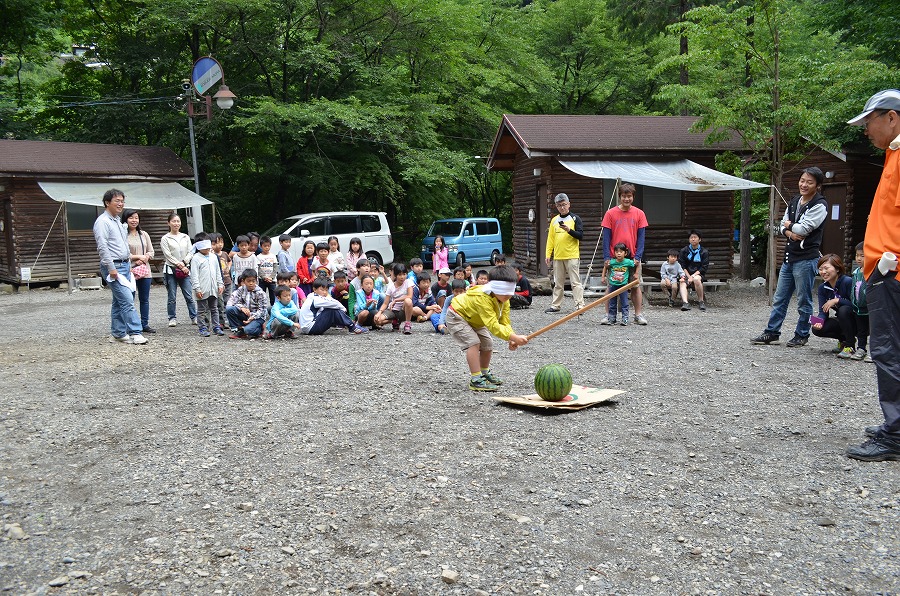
<point x="468" y="239"/>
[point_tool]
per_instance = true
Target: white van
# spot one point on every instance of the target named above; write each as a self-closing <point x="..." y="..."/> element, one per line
<point x="369" y="226"/>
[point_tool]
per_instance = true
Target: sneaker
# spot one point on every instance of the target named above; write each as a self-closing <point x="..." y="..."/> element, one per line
<point x="194" y="321"/>
<point x="218" y="331"/>
<point x="357" y="329"/>
<point x="204" y="332"/>
<point x="671" y="302"/>
<point x="480" y="383"/>
<point x="552" y="309"/>
<point x="607" y="321"/>
<point x="872" y="431"/>
<point x="125" y="339"/>
<point x="868" y="358"/>
<point x="766" y="338"/>
<point x="148" y="330"/>
<point x="138" y="340"/>
<point x="492" y="378"/>
<point x="858" y="354"/>
<point x="685" y="306"/>
<point x="838" y="349"/>
<point x="395" y="325"/>
<point x="846" y="354"/>
<point x="876" y="449"/>
<point x="407" y="328"/>
<point x="172" y="322"/>
<point x="798" y="341"/>
<point x="702" y="305"/>
<point x="640" y="320"/>
<point x="624" y="322"/>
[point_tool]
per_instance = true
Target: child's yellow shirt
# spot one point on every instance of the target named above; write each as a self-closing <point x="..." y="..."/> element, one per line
<point x="483" y="310"/>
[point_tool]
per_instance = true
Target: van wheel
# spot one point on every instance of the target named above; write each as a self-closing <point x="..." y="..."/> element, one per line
<point x="460" y="259"/>
<point x="374" y="256"/>
<point x="494" y="256"/>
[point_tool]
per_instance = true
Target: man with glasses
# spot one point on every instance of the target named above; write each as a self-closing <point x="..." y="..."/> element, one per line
<point x="564" y="249"/>
<point x="115" y="266"/>
<point x="881" y="121"/>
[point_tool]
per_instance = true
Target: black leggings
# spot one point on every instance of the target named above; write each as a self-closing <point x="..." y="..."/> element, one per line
<point x="842" y="327"/>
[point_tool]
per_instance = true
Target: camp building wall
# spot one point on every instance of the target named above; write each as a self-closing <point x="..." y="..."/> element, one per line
<point x="35" y="218"/>
<point x="712" y="213"/>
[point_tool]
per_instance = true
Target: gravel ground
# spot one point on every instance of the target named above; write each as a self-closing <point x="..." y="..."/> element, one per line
<point x="214" y="466"/>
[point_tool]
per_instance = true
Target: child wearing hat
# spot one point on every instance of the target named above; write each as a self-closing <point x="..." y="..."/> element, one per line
<point x="206" y="279"/>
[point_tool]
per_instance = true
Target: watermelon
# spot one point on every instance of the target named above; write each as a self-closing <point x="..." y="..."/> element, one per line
<point x="553" y="382"/>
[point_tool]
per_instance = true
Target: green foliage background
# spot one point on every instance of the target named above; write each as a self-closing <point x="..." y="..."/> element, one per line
<point x="385" y="104"/>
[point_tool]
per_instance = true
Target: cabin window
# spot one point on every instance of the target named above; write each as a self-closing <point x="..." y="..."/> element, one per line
<point x="661" y="205"/>
<point x="81" y="217"/>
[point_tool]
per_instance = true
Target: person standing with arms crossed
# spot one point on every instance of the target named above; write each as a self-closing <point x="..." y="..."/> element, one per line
<point x="564" y="249"/>
<point x="626" y="223"/>
<point x="115" y="266"/>
<point x="881" y="122"/>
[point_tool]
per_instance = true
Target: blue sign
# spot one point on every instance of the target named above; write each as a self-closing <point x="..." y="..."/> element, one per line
<point x="206" y="73"/>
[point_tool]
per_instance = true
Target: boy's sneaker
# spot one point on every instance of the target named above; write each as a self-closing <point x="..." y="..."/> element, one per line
<point x="685" y="306"/>
<point x="125" y="339"/>
<point x="607" y="321"/>
<point x="846" y="354"/>
<point x="407" y="328"/>
<point x="194" y="321"/>
<point x="868" y="358"/>
<point x="671" y="302"/>
<point x="172" y="322"/>
<point x="492" y="378"/>
<point x="624" y="322"/>
<point x="798" y="341"/>
<point x="480" y="383"/>
<point x="203" y="331"/>
<point x="640" y="320"/>
<point x="859" y="354"/>
<point x="357" y="329"/>
<point x="838" y="348"/>
<point x="766" y="338"/>
<point x="552" y="309"/>
<point x="218" y="331"/>
<point x="702" y="305"/>
<point x="138" y="340"/>
<point x="395" y="324"/>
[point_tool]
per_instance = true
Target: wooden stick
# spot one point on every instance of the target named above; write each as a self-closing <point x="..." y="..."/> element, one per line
<point x="583" y="309"/>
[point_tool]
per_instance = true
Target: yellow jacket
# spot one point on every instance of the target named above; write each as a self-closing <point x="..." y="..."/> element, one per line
<point x="563" y="245"/>
<point x="483" y="310"/>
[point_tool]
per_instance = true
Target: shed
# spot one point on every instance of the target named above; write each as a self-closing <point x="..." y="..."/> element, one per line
<point x="534" y="148"/>
<point x="51" y="194"/>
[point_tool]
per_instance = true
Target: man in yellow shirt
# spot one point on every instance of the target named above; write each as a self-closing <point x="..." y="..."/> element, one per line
<point x="564" y="249"/>
<point x="881" y="121"/>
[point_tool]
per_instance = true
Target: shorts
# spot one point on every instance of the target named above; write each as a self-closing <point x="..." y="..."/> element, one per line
<point x="394" y="314"/>
<point x="467" y="336"/>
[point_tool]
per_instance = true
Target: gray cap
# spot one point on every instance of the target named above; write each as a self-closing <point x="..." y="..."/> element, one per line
<point x="561" y="198"/>
<point x="889" y="99"/>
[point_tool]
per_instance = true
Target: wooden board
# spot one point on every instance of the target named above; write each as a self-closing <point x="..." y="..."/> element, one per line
<point x="579" y="397"/>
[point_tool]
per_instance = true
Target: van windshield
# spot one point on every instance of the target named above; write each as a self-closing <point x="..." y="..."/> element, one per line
<point x="279" y="228"/>
<point x="445" y="228"/>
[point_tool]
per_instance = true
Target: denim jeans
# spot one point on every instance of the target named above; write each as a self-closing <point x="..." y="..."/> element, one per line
<point x="143" y="296"/>
<point x="124" y="318"/>
<point x="799" y="276"/>
<point x="172" y="285"/>
<point x="236" y="321"/>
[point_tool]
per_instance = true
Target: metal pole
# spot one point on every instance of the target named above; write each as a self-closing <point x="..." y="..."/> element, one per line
<point x="66" y="240"/>
<point x="195" y="217"/>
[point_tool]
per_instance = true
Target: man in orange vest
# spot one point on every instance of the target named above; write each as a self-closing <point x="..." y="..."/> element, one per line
<point x="881" y="121"/>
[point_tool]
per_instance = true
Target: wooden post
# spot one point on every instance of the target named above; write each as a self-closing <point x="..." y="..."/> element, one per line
<point x="583" y="309"/>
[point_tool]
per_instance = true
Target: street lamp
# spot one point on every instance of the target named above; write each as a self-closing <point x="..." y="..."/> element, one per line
<point x="206" y="72"/>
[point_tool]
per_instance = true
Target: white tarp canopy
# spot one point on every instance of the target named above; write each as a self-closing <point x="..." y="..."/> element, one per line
<point x="167" y="196"/>
<point x="682" y="174"/>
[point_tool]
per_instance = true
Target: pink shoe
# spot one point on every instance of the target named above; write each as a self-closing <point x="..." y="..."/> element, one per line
<point x="407" y="328"/>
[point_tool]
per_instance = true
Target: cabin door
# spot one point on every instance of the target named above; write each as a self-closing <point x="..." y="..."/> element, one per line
<point x="833" y="239"/>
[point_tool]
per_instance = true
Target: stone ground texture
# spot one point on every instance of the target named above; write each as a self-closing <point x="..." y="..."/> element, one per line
<point x="363" y="465"/>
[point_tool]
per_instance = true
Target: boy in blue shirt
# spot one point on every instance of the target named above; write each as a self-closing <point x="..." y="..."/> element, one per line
<point x="285" y="316"/>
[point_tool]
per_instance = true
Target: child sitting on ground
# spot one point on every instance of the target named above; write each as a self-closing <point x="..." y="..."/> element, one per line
<point x="475" y="315"/>
<point x="247" y="308"/>
<point x="285" y="316"/>
<point x="481" y="277"/>
<point x="441" y="289"/>
<point x="460" y="273"/>
<point x="424" y="304"/>
<point x="620" y="271"/>
<point x="368" y="301"/>
<point x="439" y="320"/>
<point x="397" y="300"/>
<point x="362" y="268"/>
<point x="340" y="291"/>
<point x="673" y="279"/>
<point x="522" y="297"/>
<point x="416" y="266"/>
<point x="321" y="312"/>
<point x="206" y="280"/>
<point x="289" y="279"/>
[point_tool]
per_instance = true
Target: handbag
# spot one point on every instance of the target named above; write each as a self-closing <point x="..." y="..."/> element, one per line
<point x="143" y="269"/>
<point x="181" y="274"/>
